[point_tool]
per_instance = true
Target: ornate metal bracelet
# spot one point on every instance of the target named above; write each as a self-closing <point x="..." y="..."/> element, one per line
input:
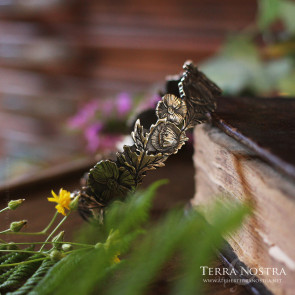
<point x="192" y="102"/>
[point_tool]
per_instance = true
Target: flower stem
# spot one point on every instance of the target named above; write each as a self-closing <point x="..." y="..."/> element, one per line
<point x="5" y="231"/>
<point x="23" y="251"/>
<point x="50" y="223"/>
<point x="41" y="243"/>
<point x="52" y="233"/>
<point x="42" y="232"/>
<point x="2" y="241"/>
<point x="8" y="231"/>
<point x="22" y="262"/>
<point x="7" y="208"/>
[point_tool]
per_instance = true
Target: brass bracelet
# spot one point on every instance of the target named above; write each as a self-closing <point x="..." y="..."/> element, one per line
<point x="191" y="104"/>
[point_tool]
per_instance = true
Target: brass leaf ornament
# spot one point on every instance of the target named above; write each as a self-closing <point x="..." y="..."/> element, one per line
<point x="112" y="180"/>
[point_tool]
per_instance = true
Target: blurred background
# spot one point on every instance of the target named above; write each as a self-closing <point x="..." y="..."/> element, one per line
<point x="72" y="73"/>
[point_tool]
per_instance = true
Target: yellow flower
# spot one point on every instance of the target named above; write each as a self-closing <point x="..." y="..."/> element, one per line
<point x="63" y="200"/>
<point x="116" y="259"/>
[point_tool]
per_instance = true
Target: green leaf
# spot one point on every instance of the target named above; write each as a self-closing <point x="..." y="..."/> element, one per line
<point x="286" y="84"/>
<point x="190" y="236"/>
<point x="240" y="47"/>
<point x="149" y="256"/>
<point x="268" y="12"/>
<point x="93" y="271"/>
<point x="21" y="273"/>
<point x="4" y="276"/>
<point x="59" y="273"/>
<point x="229" y="74"/>
<point x="278" y="68"/>
<point x="78" y="273"/>
<point x="287" y="9"/>
<point x="225" y="218"/>
<point x="238" y="68"/>
<point x="35" y="278"/>
<point x="13" y="257"/>
<point x="128" y="215"/>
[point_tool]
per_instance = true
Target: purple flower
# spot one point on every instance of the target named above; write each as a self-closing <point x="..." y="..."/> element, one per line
<point x="84" y="115"/>
<point x="154" y="100"/>
<point x="124" y="103"/>
<point x="92" y="136"/>
<point x="109" y="141"/>
<point x="107" y="107"/>
<point x="148" y="103"/>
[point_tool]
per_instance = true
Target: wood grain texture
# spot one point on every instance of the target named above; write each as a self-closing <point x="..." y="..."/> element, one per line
<point x="264" y="125"/>
<point x="227" y="170"/>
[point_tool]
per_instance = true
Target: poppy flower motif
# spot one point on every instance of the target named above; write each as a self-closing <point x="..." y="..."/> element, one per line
<point x="165" y="137"/>
<point x="173" y="108"/>
<point x="108" y="181"/>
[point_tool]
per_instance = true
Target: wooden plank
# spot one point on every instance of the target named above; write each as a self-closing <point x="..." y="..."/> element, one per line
<point x="266" y="126"/>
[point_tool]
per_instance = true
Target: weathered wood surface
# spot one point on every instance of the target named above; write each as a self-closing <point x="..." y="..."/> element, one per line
<point x="265" y="125"/>
<point x="227" y="170"/>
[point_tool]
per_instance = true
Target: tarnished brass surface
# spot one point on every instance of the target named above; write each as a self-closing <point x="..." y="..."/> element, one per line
<point x="109" y="180"/>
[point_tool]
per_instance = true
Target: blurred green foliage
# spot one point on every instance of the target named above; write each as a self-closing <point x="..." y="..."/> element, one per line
<point x="145" y="247"/>
<point x="259" y="60"/>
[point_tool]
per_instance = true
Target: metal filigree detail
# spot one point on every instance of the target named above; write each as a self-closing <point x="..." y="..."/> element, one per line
<point x="139" y="162"/>
<point x="165" y="137"/>
<point x="89" y="206"/>
<point x="109" y="180"/>
<point x="172" y="108"/>
<point x="199" y="93"/>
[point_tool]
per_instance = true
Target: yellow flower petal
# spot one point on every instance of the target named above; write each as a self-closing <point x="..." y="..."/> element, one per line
<point x="63" y="200"/>
<point x="116" y="258"/>
<point x="54" y="195"/>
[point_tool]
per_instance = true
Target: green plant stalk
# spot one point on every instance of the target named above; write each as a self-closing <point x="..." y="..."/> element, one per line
<point x="5" y="231"/>
<point x="42" y="232"/>
<point x="9" y="232"/>
<point x="24" y="251"/>
<point x="2" y="210"/>
<point x="74" y="251"/>
<point x="22" y="262"/>
<point x="47" y="243"/>
<point x="50" y="223"/>
<point x="52" y="233"/>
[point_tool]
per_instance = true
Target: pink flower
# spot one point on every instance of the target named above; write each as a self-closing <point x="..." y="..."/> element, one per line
<point x="84" y="115"/>
<point x="109" y="141"/>
<point x="124" y="103"/>
<point x="148" y="103"/>
<point x="107" y="107"/>
<point x="93" y="137"/>
<point x="154" y="100"/>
